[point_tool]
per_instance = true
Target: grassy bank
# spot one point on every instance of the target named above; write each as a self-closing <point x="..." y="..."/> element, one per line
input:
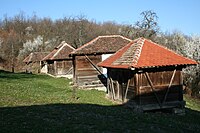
<point x="39" y="103"/>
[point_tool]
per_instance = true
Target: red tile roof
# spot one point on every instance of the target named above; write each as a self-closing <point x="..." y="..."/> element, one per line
<point x="102" y="45"/>
<point x="143" y="53"/>
<point x="35" y="56"/>
<point x="60" y="52"/>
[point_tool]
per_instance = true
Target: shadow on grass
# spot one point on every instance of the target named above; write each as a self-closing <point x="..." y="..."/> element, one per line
<point x="93" y="118"/>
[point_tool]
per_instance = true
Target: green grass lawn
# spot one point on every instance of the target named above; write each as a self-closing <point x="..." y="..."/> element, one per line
<point x="39" y="103"/>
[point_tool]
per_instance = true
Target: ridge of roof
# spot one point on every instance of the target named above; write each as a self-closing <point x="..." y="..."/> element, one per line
<point x="56" y="51"/>
<point x="93" y="40"/>
<point x="62" y="45"/>
<point x="98" y="37"/>
<point x="134" y="49"/>
<point x="115" y="36"/>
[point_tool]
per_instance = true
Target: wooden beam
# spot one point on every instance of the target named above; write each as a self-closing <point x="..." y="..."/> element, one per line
<point x="128" y="83"/>
<point x="153" y="89"/>
<point x="112" y="89"/>
<point x="181" y="89"/>
<point x="108" y="87"/>
<point x="96" y="67"/>
<point x="170" y="84"/>
<point x="69" y="70"/>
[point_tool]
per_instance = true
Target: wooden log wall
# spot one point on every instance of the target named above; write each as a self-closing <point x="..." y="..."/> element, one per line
<point x="60" y="67"/>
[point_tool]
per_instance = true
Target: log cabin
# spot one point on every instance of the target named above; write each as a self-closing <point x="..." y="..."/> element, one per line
<point x="34" y="63"/>
<point x="146" y="76"/>
<point x="86" y="73"/>
<point x="58" y="61"/>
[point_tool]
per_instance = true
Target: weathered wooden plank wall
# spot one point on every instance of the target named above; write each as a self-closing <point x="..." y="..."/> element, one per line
<point x="139" y="87"/>
<point x="85" y="72"/>
<point x="61" y="67"/>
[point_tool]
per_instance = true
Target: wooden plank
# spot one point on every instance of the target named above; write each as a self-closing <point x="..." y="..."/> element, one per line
<point x="89" y="73"/>
<point x="158" y="89"/>
<point x="89" y="76"/>
<point x="86" y="69"/>
<point x="153" y="89"/>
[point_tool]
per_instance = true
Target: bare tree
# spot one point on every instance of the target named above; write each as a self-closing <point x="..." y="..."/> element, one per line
<point x="148" y="25"/>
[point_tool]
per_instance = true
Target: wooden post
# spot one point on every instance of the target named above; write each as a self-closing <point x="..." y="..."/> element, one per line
<point x="108" y="83"/>
<point x="74" y="69"/>
<point x="108" y="87"/>
<point x="117" y="89"/>
<point x="136" y="86"/>
<point x="127" y="89"/>
<point x="181" y="89"/>
<point x="74" y="77"/>
<point x="122" y="92"/>
<point x="55" y="68"/>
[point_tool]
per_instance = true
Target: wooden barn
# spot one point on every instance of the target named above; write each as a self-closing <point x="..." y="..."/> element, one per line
<point x="58" y="61"/>
<point x="86" y="72"/>
<point x="34" y="63"/>
<point x="146" y="76"/>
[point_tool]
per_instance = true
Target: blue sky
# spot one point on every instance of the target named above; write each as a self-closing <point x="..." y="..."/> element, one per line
<point x="181" y="15"/>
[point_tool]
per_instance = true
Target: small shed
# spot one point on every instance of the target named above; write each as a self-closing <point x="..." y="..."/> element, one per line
<point x="58" y="61"/>
<point x="34" y="63"/>
<point x="146" y="76"/>
<point x="86" y="72"/>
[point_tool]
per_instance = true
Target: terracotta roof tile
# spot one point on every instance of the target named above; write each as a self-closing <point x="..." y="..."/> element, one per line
<point x="103" y="44"/>
<point x="60" y="52"/>
<point x="35" y="56"/>
<point x="142" y="53"/>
